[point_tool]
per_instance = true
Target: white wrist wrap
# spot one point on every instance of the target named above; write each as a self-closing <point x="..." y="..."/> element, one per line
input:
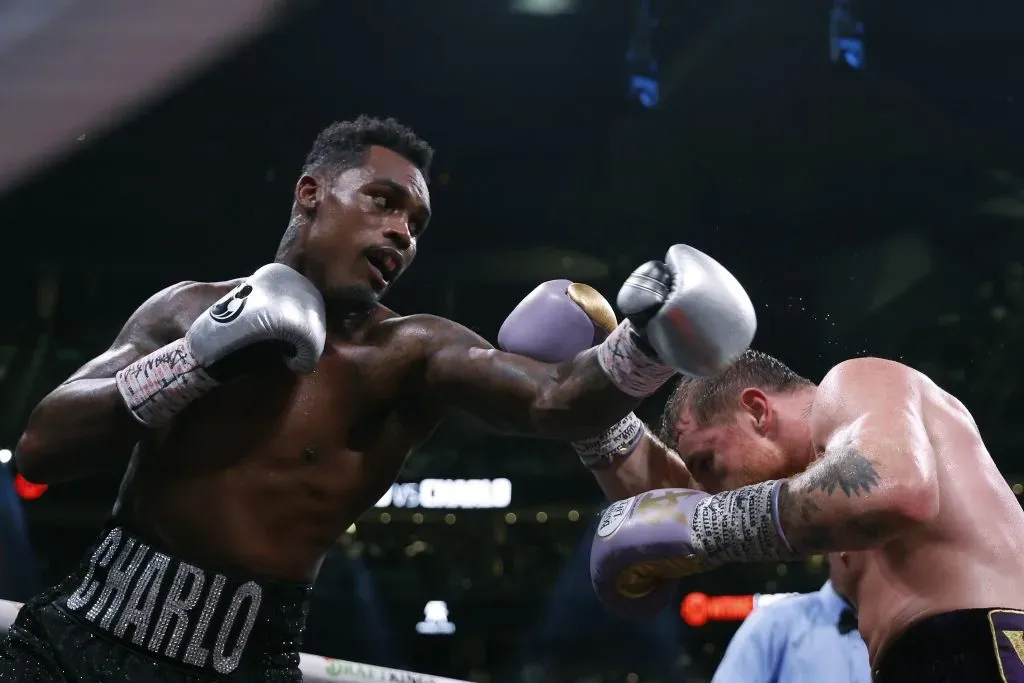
<point x="739" y="526"/>
<point x="159" y="386"/>
<point x="628" y="367"/>
<point x="615" y="443"/>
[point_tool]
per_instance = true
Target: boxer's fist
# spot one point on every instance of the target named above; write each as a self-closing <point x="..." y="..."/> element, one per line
<point x="276" y="311"/>
<point x="642" y="546"/>
<point x="274" y="306"/>
<point x="556" y="321"/>
<point x="694" y="314"/>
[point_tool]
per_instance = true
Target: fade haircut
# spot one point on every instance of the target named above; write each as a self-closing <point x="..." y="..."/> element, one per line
<point x="710" y="397"/>
<point x="344" y="144"/>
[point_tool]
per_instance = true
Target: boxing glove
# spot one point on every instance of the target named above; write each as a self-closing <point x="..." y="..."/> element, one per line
<point x="274" y="307"/>
<point x="695" y="315"/>
<point x="645" y="543"/>
<point x="555" y="322"/>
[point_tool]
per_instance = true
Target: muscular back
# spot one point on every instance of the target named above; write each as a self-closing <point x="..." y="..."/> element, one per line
<point x="971" y="555"/>
<point x="264" y="473"/>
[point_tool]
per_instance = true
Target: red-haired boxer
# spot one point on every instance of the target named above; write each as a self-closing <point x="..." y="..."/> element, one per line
<point x="270" y="412"/>
<point x="875" y="458"/>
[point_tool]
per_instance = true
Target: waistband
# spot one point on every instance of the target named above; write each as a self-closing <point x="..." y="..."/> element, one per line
<point x="975" y="645"/>
<point x="174" y="611"/>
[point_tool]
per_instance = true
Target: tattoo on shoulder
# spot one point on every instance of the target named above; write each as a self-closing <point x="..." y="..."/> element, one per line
<point x="801" y="515"/>
<point x="846" y="470"/>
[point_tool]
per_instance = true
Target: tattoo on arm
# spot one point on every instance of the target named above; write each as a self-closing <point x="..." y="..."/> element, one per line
<point x="818" y="510"/>
<point x="846" y="470"/>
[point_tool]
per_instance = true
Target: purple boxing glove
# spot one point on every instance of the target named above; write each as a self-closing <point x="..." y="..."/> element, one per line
<point x="556" y="321"/>
<point x="645" y="543"/>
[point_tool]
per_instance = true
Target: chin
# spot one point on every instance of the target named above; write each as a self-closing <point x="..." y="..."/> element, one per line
<point x="350" y="298"/>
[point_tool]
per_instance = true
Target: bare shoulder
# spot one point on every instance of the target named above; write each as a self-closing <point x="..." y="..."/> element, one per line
<point x="429" y="333"/>
<point x="868" y="374"/>
<point x="410" y="350"/>
<point x="894" y="387"/>
<point x="859" y="385"/>
<point x="173" y="309"/>
<point x="425" y="350"/>
<point x="161" y="319"/>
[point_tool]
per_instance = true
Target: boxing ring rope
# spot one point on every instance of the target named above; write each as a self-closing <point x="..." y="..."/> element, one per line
<point x="315" y="668"/>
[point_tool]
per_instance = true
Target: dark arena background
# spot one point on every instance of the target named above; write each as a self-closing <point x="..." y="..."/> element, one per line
<point x="859" y="166"/>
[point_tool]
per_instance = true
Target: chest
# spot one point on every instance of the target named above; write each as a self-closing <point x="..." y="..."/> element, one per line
<point x="353" y="403"/>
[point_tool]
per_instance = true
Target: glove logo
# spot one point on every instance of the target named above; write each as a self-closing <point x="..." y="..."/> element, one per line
<point x="663" y="507"/>
<point x="230" y="307"/>
<point x="613" y="517"/>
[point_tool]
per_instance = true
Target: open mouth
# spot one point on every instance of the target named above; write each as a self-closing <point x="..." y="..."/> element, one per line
<point x="385" y="264"/>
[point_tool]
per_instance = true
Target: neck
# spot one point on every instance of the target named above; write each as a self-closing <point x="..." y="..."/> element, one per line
<point x="347" y="308"/>
<point x="345" y="316"/>
<point x="291" y="260"/>
<point x="795" y="427"/>
<point x="291" y="250"/>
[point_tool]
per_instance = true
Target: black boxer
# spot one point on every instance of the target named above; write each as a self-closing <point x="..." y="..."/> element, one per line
<point x="965" y="646"/>
<point x="133" y="613"/>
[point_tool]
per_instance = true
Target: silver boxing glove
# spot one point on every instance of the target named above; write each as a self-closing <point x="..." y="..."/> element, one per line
<point x="693" y="313"/>
<point x="275" y="309"/>
<point x="274" y="304"/>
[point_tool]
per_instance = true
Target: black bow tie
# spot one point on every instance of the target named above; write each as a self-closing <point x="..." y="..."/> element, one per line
<point x="847" y="621"/>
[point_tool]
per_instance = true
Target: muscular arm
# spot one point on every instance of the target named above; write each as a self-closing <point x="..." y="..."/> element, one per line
<point x="877" y="475"/>
<point x="653" y="465"/>
<point x="570" y="400"/>
<point x="82" y="427"/>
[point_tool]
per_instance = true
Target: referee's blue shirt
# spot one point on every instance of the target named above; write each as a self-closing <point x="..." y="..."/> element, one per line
<point x="796" y="640"/>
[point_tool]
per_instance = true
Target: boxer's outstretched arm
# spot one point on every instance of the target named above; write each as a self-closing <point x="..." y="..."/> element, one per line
<point x="570" y="400"/>
<point x="653" y="465"/>
<point x="82" y="427"/>
<point x="877" y="476"/>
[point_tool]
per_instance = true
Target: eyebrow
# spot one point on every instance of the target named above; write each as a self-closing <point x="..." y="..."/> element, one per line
<point x="393" y="184"/>
<point x="401" y="189"/>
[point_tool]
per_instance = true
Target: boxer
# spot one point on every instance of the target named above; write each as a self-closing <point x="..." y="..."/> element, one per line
<point x="769" y="466"/>
<point x="263" y="415"/>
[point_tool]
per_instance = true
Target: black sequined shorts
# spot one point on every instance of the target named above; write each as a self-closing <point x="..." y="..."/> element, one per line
<point x="965" y="646"/>
<point x="133" y="613"/>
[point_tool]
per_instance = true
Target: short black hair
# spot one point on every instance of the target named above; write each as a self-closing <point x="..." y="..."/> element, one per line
<point x="344" y="144"/>
<point x="709" y="397"/>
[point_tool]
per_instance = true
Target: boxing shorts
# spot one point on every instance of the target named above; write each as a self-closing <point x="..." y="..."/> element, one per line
<point x="965" y="646"/>
<point x="133" y="613"/>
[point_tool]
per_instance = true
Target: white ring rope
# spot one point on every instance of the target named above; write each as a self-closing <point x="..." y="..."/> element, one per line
<point x="315" y="668"/>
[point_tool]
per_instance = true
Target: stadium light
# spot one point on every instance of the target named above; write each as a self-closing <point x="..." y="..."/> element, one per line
<point x="643" y="66"/>
<point x="846" y="35"/>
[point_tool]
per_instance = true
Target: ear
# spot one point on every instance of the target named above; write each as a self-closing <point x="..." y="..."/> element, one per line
<point x="307" y="193"/>
<point x="757" y="405"/>
<point x="845" y="558"/>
